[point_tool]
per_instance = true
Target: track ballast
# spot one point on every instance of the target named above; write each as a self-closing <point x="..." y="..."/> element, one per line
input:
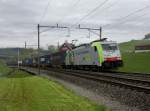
<point x="134" y="81"/>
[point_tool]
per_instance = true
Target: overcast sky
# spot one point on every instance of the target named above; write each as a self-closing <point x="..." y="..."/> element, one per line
<point x="122" y="20"/>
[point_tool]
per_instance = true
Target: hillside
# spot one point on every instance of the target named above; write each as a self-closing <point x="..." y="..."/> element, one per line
<point x="135" y="62"/>
<point x="129" y="46"/>
<point x="11" y="54"/>
<point x="8" y="51"/>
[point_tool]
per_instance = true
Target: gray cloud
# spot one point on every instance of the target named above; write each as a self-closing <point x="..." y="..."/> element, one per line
<point x="19" y="19"/>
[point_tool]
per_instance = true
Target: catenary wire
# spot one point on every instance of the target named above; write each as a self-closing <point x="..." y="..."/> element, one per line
<point x="45" y="11"/>
<point x="92" y="11"/>
<point x="73" y="6"/>
<point x="127" y="16"/>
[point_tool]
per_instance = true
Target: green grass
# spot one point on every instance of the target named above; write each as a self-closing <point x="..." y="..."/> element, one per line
<point x="23" y="92"/>
<point x="136" y="62"/>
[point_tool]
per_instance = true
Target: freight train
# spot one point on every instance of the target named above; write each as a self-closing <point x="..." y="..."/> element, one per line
<point x="95" y="55"/>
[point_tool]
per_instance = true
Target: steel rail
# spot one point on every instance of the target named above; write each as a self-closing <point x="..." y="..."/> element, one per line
<point x="136" y="83"/>
<point x="140" y="77"/>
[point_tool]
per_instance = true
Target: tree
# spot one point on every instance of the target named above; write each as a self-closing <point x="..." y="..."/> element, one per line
<point x="147" y="36"/>
<point x="52" y="48"/>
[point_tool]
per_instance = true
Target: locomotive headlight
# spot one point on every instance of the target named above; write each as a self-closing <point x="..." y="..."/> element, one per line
<point x="118" y="58"/>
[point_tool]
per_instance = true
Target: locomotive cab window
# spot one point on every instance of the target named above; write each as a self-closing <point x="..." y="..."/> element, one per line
<point x="95" y="48"/>
<point x="109" y="46"/>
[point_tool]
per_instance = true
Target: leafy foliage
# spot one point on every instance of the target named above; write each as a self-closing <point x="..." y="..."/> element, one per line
<point x="52" y="48"/>
<point x="4" y="70"/>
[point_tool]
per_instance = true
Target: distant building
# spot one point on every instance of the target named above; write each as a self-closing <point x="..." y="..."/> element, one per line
<point x="147" y="37"/>
<point x="66" y="46"/>
<point x="142" y="48"/>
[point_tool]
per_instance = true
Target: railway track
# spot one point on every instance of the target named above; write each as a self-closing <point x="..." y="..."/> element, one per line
<point x="139" y="82"/>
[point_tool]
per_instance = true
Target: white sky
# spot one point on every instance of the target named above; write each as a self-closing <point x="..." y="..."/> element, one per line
<point x="122" y="20"/>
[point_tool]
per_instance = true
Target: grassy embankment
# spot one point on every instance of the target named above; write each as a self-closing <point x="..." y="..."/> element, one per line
<point x="135" y="62"/>
<point x="23" y="92"/>
<point x="4" y="70"/>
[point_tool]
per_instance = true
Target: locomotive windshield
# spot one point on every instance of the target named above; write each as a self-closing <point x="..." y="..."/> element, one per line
<point x="112" y="46"/>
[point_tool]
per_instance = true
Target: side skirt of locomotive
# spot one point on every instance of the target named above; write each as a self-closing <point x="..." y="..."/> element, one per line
<point x="84" y="67"/>
<point x="112" y="64"/>
<point x="105" y="65"/>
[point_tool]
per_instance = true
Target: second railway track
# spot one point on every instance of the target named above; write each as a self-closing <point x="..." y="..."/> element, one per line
<point x="137" y="82"/>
